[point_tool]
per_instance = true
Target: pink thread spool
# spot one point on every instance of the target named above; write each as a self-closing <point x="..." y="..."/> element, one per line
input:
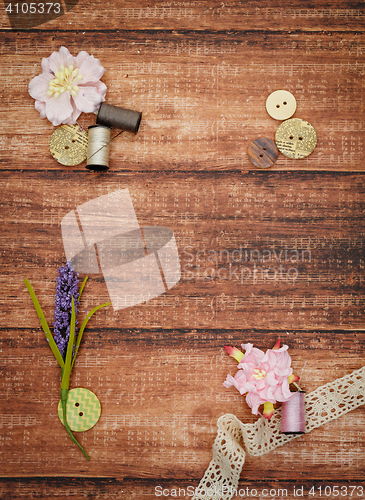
<point x="293" y="414"/>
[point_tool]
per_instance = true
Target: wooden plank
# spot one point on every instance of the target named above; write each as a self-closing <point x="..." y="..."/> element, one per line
<point x="202" y="96"/>
<point x="207" y="15"/>
<point x="200" y="73"/>
<point x="261" y="250"/>
<point x="106" y="489"/>
<point x="161" y="394"/>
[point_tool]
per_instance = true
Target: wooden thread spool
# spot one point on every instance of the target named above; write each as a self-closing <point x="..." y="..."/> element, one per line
<point x="120" y="118"/>
<point x="293" y="414"/>
<point x="98" y="148"/>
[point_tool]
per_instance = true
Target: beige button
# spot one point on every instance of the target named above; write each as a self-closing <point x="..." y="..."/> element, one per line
<point x="68" y="145"/>
<point x="281" y="105"/>
<point x="296" y="138"/>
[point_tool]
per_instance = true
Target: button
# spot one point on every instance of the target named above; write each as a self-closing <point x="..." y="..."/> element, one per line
<point x="83" y="409"/>
<point x="262" y="152"/>
<point x="281" y="105"/>
<point x="68" y="145"/>
<point x="296" y="138"/>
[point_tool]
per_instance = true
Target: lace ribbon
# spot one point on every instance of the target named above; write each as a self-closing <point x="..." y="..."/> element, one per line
<point x="325" y="403"/>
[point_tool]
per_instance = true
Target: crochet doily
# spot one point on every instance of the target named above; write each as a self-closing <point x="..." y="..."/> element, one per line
<point x="325" y="403"/>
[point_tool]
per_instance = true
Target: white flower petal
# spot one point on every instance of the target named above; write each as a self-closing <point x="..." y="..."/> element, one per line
<point x="75" y="114"/>
<point x="87" y="99"/>
<point x="38" y="86"/>
<point x="41" y="108"/>
<point x="80" y="58"/>
<point x="45" y="65"/>
<point x="100" y="87"/>
<point x="59" y="109"/>
<point x="91" y="70"/>
<point x="61" y="58"/>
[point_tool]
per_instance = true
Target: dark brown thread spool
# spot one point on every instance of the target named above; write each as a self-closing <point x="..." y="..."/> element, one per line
<point x="114" y="117"/>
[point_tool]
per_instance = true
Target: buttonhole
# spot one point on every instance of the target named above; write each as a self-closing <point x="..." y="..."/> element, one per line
<point x="77" y="404"/>
<point x="284" y="103"/>
<point x="261" y="156"/>
<point x="264" y="149"/>
<point x="300" y="138"/>
<point x="278" y="105"/>
<point x="66" y="147"/>
<point x="81" y="414"/>
<point x="73" y="140"/>
<point x="291" y="137"/>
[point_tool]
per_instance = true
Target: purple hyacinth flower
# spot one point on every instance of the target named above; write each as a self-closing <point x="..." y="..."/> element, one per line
<point x="67" y="287"/>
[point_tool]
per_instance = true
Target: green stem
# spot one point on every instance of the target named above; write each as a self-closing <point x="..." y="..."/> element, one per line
<point x="297" y="386"/>
<point x="64" y="395"/>
<point x="67" y="369"/>
<point x="66" y="373"/>
<point x="66" y="366"/>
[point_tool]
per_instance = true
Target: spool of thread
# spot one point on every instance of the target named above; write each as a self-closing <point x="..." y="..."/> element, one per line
<point x="114" y="117"/>
<point x="293" y="414"/>
<point x="98" y="148"/>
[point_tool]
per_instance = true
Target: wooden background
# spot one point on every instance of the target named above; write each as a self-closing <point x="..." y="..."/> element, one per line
<point x="200" y="71"/>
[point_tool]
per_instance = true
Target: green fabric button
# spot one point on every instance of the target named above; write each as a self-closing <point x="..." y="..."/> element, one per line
<point x="83" y="409"/>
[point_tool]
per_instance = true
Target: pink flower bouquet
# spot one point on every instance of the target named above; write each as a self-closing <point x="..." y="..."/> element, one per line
<point x="68" y="86"/>
<point x="263" y="378"/>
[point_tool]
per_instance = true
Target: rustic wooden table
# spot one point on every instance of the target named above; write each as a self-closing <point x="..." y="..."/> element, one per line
<point x="200" y="72"/>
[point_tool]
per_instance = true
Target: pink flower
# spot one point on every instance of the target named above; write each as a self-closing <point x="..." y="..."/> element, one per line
<point x="68" y="86"/>
<point x="263" y="377"/>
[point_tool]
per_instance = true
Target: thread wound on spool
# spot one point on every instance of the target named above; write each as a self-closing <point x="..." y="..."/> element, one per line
<point x="120" y="118"/>
<point x="293" y="414"/>
<point x="98" y="148"/>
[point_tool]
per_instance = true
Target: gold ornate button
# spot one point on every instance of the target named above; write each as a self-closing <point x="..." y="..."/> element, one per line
<point x="83" y="409"/>
<point x="262" y="152"/>
<point x="296" y="138"/>
<point x="68" y="145"/>
<point x="281" y="105"/>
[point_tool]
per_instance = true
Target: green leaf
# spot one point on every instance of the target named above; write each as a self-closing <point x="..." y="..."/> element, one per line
<point x="82" y="287"/>
<point x="83" y="326"/>
<point x="47" y="331"/>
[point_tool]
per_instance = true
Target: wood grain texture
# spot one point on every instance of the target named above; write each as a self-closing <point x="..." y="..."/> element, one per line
<point x="161" y="394"/>
<point x="208" y="15"/>
<point x="200" y="73"/>
<point x="261" y="250"/>
<point x="106" y="489"/>
<point x="202" y="96"/>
